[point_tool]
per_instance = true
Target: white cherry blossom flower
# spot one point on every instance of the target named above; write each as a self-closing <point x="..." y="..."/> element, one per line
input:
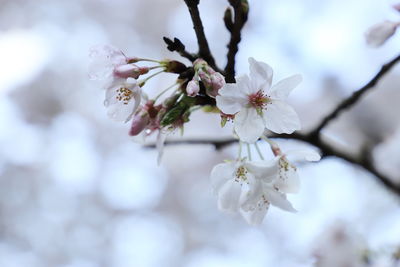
<point x="234" y="182"/>
<point x="123" y="99"/>
<point x="257" y="105"/>
<point x="379" y="33"/>
<point x="274" y="192"/>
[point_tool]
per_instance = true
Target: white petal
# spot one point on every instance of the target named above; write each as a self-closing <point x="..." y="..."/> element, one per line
<point x="249" y="126"/>
<point x="220" y="174"/>
<point x="230" y="100"/>
<point x="245" y="86"/>
<point x="303" y="154"/>
<point x="229" y="196"/>
<point x="278" y="199"/>
<point x="255" y="216"/>
<point x="279" y="117"/>
<point x="160" y="145"/>
<point x="260" y="75"/>
<point x="282" y="89"/>
<point x="263" y="170"/>
<point x="288" y="180"/>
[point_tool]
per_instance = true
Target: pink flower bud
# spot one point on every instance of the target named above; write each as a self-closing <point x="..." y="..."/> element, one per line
<point x="193" y="88"/>
<point x="139" y="122"/>
<point x="379" y="33"/>
<point x="204" y="77"/>
<point x="130" y="70"/>
<point x="217" y="82"/>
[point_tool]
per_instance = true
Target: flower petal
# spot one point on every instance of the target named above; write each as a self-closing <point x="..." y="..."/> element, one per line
<point x="282" y="89"/>
<point x="220" y="174"/>
<point x="260" y="75"/>
<point x="303" y="154"/>
<point x="249" y="126"/>
<point x="288" y="180"/>
<point x="263" y="170"/>
<point x="256" y="216"/>
<point x="279" y="117"/>
<point x="278" y="199"/>
<point x="230" y="100"/>
<point x="229" y="196"/>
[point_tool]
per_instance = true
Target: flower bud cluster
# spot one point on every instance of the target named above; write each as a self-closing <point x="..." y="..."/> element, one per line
<point x="212" y="80"/>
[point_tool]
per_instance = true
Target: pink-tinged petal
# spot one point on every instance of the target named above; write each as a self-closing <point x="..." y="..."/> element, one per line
<point x="282" y="89"/>
<point x="279" y="117"/>
<point x="263" y="170"/>
<point x="229" y="196"/>
<point x="249" y="126"/>
<point x="220" y="174"/>
<point x="104" y="58"/>
<point x="303" y="154"/>
<point x="278" y="199"/>
<point x="379" y="33"/>
<point x="160" y="145"/>
<point x="260" y="75"/>
<point x="288" y="180"/>
<point x="257" y="215"/>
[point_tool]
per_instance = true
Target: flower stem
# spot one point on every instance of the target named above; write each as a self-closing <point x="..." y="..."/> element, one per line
<point x="143" y="82"/>
<point x="274" y="146"/>
<point x="240" y="150"/>
<point x="258" y="151"/>
<point x="248" y="151"/>
<point x="164" y="91"/>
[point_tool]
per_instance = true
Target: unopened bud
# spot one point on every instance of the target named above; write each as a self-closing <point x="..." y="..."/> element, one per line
<point x="217" y="82"/>
<point x="130" y="71"/>
<point x="139" y="122"/>
<point x="379" y="33"/>
<point x="193" y="88"/>
<point x="204" y="77"/>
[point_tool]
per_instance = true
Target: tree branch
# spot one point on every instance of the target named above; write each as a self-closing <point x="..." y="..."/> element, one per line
<point x="353" y="99"/>
<point x="204" y="49"/>
<point x="326" y="149"/>
<point x="240" y="8"/>
<point x="178" y="46"/>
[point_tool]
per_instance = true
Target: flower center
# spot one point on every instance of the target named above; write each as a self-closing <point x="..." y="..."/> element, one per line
<point x="258" y="100"/>
<point x="241" y="174"/>
<point x="124" y="95"/>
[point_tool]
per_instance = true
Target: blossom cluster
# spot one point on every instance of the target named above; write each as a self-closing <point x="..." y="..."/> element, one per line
<point x="252" y="103"/>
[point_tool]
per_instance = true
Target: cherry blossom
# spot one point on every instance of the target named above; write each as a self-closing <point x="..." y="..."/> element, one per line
<point x="123" y="99"/>
<point x="257" y="105"/>
<point x="273" y="192"/>
<point x="236" y="181"/>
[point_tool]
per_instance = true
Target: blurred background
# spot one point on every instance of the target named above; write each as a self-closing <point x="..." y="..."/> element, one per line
<point x="77" y="191"/>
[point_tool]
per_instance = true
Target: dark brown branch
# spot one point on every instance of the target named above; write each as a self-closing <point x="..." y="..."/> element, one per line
<point x="204" y="49"/>
<point x="326" y="149"/>
<point x="178" y="46"/>
<point x="240" y="9"/>
<point x="353" y="99"/>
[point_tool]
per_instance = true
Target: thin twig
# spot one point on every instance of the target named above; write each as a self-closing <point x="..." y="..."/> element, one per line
<point x="353" y="99"/>
<point x="240" y="19"/>
<point x="204" y="49"/>
<point x="178" y="46"/>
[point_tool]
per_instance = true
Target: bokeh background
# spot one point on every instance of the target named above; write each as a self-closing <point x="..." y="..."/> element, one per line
<point x="77" y="191"/>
